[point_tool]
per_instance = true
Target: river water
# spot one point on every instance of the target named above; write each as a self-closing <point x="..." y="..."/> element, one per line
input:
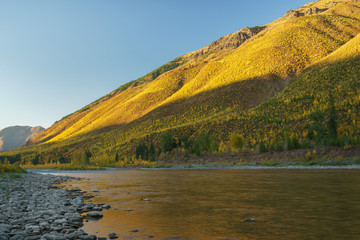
<point x="212" y="204"/>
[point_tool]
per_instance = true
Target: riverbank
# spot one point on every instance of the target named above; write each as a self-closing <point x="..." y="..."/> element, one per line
<point x="33" y="207"/>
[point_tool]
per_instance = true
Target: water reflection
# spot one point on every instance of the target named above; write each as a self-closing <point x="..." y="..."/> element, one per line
<point x="212" y="204"/>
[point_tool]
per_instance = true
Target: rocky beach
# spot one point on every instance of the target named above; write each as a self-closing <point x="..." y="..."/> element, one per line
<point x="33" y="206"/>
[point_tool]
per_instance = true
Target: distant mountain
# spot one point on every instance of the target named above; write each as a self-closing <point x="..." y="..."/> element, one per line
<point x="275" y="85"/>
<point x="17" y="136"/>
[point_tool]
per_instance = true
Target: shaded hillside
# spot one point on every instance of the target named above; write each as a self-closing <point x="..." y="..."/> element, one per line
<point x="263" y="83"/>
<point x="17" y="136"/>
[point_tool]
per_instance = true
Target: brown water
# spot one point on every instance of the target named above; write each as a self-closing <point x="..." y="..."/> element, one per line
<point x="212" y="204"/>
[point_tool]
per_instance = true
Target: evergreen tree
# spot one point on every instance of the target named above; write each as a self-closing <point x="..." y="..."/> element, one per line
<point x="332" y="124"/>
<point x="152" y="152"/>
<point x="141" y="151"/>
<point x="84" y="159"/>
<point x="168" y="142"/>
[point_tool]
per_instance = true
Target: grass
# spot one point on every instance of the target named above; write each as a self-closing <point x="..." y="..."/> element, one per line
<point x="62" y="167"/>
<point x="9" y="168"/>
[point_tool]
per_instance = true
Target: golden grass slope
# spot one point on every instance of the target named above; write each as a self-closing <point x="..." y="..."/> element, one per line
<point x="281" y="51"/>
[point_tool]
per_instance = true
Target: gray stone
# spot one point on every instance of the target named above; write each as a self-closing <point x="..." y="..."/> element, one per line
<point x="44" y="225"/>
<point x="77" y="201"/>
<point x="94" y="214"/>
<point x="32" y="230"/>
<point x="5" y="227"/>
<point x="73" y="235"/>
<point x="60" y="221"/>
<point x="3" y="217"/>
<point x="53" y="236"/>
<point x="102" y="238"/>
<point x="89" y="206"/>
<point x="105" y="206"/>
<point x="37" y="237"/>
<point x="17" y="232"/>
<point x="87" y="237"/>
<point x="18" y="237"/>
<point x="250" y="220"/>
<point x="4" y="236"/>
<point x="112" y="235"/>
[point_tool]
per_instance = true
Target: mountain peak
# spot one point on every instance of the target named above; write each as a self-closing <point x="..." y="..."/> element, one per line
<point x="16" y="136"/>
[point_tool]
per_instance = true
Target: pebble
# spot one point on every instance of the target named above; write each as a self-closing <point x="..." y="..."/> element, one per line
<point x="112" y="235"/>
<point x="250" y="220"/>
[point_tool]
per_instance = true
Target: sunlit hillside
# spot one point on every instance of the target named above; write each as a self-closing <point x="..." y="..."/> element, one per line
<point x="262" y="83"/>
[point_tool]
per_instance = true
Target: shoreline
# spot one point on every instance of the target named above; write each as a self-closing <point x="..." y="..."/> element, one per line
<point x="202" y="167"/>
<point x="33" y="206"/>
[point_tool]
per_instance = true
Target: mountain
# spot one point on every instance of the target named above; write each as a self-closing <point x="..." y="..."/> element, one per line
<point x="17" y="136"/>
<point x="264" y="83"/>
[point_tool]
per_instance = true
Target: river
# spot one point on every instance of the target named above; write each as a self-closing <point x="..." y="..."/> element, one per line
<point x="213" y="204"/>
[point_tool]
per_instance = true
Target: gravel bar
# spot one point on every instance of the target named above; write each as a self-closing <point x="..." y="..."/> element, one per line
<point x="33" y="207"/>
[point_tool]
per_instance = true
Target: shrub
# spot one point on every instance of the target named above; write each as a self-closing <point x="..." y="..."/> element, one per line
<point x="262" y="147"/>
<point x="279" y="146"/>
<point x="236" y="142"/>
<point x="168" y="142"/>
<point x="9" y="168"/>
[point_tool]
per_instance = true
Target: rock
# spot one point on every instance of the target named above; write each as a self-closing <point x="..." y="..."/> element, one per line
<point x="112" y="235"/>
<point x="105" y="205"/>
<point x="53" y="236"/>
<point x="250" y="220"/>
<point x="101" y="238"/>
<point x="36" y="237"/>
<point x="77" y="201"/>
<point x="47" y="213"/>
<point x="129" y="210"/>
<point x="94" y="190"/>
<point x="18" y="237"/>
<point x="60" y="221"/>
<point x="5" y="228"/>
<point x="3" y="217"/>
<point x="134" y="231"/>
<point x="99" y="209"/>
<point x="89" y="207"/>
<point x="94" y="214"/>
<point x="32" y="230"/>
<point x="87" y="237"/>
<point x="73" y="235"/>
<point x="145" y="199"/>
<point x="4" y="236"/>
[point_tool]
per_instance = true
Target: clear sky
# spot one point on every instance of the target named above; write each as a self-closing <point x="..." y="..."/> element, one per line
<point x="57" y="56"/>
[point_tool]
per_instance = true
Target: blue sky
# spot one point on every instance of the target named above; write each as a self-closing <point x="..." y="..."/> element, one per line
<point x="57" y="56"/>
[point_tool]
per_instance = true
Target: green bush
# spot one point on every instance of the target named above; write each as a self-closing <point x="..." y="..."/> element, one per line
<point x="9" y="168"/>
<point x="208" y="143"/>
<point x="279" y="147"/>
<point x="168" y="142"/>
<point x="236" y="141"/>
<point x="262" y="147"/>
